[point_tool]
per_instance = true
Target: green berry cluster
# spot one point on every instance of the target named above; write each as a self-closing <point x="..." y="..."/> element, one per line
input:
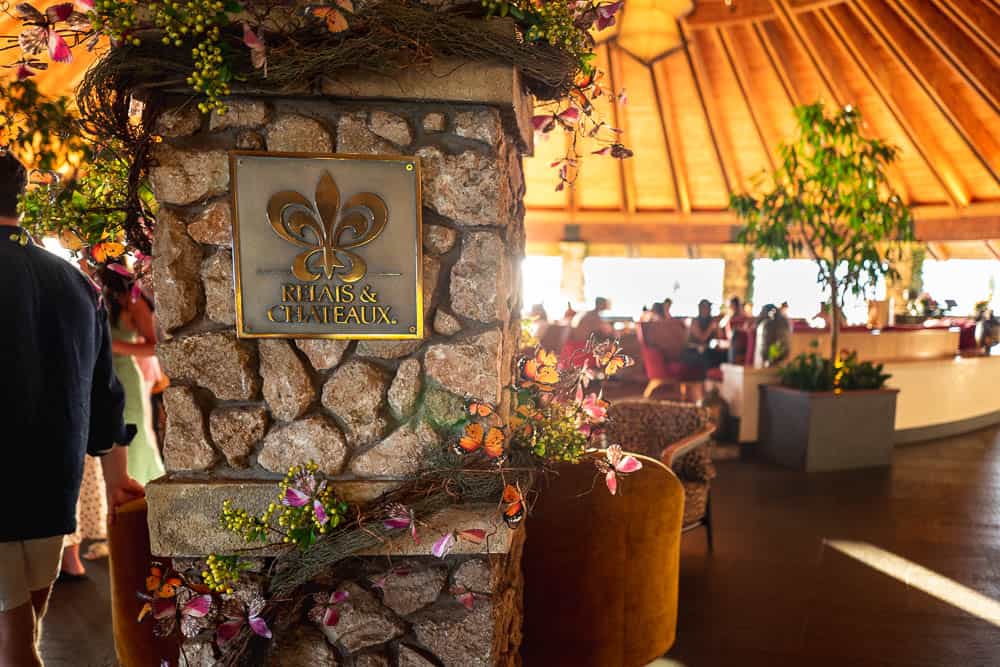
<point x="557" y="438"/>
<point x="241" y="522"/>
<point x="116" y="20"/>
<point x="199" y="22"/>
<point x="294" y="525"/>
<point x="223" y="572"/>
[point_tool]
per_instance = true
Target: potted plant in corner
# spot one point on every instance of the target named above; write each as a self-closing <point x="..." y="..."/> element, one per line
<point x="830" y="199"/>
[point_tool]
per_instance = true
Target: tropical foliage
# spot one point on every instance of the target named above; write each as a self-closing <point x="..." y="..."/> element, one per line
<point x="830" y="198"/>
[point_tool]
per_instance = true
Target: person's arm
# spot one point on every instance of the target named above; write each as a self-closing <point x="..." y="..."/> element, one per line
<point x="127" y="349"/>
<point x="119" y="486"/>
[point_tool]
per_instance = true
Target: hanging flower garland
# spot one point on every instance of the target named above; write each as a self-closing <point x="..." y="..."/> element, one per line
<point x="216" y="47"/>
<point x="237" y="600"/>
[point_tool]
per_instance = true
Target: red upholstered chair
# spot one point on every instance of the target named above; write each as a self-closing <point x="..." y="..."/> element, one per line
<point x="661" y="344"/>
<point x="571" y="355"/>
<point x="128" y="537"/>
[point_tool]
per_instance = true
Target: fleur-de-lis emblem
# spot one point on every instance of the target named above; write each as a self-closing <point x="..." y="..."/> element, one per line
<point x="328" y="233"/>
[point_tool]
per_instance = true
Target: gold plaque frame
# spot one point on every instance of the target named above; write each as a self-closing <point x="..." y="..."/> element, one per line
<point x="410" y="164"/>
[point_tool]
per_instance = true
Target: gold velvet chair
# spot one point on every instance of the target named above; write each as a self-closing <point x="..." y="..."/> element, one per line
<point x="135" y="644"/>
<point x="601" y="571"/>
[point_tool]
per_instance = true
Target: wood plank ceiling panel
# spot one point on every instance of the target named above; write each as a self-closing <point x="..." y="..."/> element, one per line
<point x="690" y="135"/>
<point x="938" y="140"/>
<point x="967" y="110"/>
<point x="651" y="170"/>
<point x="749" y="154"/>
<point x="853" y="86"/>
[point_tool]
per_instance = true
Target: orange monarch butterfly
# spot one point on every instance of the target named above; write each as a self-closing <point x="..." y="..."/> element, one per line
<point x="480" y="409"/>
<point x="158" y="587"/>
<point x="333" y="16"/>
<point x="476" y="435"/>
<point x="540" y="371"/>
<point x="610" y="357"/>
<point x="514" y="510"/>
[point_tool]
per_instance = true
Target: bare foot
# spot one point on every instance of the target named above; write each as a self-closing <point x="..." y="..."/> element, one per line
<point x="71" y="562"/>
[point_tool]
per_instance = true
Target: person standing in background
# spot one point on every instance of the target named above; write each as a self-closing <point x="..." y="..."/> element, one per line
<point x="59" y="401"/>
<point x="133" y="338"/>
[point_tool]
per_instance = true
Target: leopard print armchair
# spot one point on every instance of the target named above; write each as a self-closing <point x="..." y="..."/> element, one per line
<point x="679" y="434"/>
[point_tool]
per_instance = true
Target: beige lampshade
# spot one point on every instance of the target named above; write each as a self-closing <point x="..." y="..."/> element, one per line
<point x="648" y="28"/>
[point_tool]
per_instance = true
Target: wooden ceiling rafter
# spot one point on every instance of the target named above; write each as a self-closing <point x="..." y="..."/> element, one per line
<point x="668" y="124"/>
<point x="831" y="84"/>
<point x="977" y="19"/>
<point x="993" y="246"/>
<point x="934" y="157"/>
<point x="753" y="104"/>
<point x="977" y="67"/>
<point x="928" y="74"/>
<point x="720" y="141"/>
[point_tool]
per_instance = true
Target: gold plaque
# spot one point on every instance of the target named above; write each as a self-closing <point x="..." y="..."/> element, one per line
<point x="326" y="246"/>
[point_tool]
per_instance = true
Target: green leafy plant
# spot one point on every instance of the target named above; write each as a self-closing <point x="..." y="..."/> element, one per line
<point x="813" y="372"/>
<point x="830" y="197"/>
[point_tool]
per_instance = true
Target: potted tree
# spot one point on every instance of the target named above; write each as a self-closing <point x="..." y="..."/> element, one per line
<point x="830" y="199"/>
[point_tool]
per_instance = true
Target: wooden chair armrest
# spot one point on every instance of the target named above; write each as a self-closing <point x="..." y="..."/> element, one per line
<point x="678" y="449"/>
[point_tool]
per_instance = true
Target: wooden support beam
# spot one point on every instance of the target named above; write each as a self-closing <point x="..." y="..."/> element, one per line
<point x="664" y="99"/>
<point x="938" y="251"/>
<point x="709" y="14"/>
<point x="753" y="103"/>
<point x="936" y="159"/>
<point x="994" y="247"/>
<point x="716" y="128"/>
<point x="638" y="234"/>
<point x="979" y="69"/>
<point x="933" y="76"/>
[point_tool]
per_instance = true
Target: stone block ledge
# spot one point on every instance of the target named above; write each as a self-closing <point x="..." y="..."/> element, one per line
<point x="184" y="519"/>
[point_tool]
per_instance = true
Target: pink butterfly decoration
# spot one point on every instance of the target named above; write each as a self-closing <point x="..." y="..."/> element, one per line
<point x="443" y="545"/>
<point x="295" y="497"/>
<point x="258" y="50"/>
<point x="60" y="12"/>
<point x="325" y="608"/>
<point x="594" y="407"/>
<point x="570" y="115"/>
<point x="543" y="123"/>
<point x="240" y="615"/>
<point x="617" y="463"/>
<point x="606" y="14"/>
<point x="401" y="516"/>
<point x="465" y="596"/>
<point x="24" y="72"/>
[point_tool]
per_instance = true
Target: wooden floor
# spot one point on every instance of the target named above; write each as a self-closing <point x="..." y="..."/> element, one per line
<point x="773" y="593"/>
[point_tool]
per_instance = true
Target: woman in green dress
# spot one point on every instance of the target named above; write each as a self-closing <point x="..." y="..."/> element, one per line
<point x="133" y="346"/>
<point x="133" y="334"/>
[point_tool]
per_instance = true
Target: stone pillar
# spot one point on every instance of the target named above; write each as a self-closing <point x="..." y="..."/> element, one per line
<point x="736" y="275"/>
<point x="240" y="412"/>
<point x="571" y="283"/>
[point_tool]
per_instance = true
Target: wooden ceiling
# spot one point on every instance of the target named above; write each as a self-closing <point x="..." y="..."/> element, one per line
<point x="706" y="118"/>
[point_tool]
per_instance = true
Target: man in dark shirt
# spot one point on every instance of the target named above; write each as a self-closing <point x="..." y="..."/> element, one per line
<point x="59" y="400"/>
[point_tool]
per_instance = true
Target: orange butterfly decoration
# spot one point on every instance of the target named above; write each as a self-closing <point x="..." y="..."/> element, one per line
<point x="106" y="250"/>
<point x="610" y="356"/>
<point x="477" y="436"/>
<point x="333" y="15"/>
<point x="480" y="409"/>
<point x="540" y="371"/>
<point x="514" y="507"/>
<point x="158" y="586"/>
